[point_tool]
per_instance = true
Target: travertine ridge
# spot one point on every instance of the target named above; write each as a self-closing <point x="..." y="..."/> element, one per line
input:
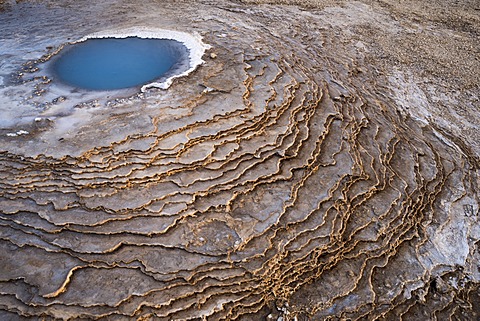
<point x="287" y="178"/>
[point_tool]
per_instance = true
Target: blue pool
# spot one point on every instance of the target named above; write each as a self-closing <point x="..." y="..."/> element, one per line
<point x="116" y="63"/>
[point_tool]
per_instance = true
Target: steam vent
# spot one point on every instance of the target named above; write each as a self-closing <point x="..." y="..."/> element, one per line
<point x="305" y="160"/>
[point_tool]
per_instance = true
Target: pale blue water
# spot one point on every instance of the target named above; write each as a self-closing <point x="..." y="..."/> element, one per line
<point x="114" y="63"/>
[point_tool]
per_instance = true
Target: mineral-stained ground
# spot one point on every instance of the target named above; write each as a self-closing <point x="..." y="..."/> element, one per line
<point x="322" y="164"/>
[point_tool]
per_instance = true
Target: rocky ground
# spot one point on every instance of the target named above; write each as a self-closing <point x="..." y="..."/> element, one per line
<point x="322" y="164"/>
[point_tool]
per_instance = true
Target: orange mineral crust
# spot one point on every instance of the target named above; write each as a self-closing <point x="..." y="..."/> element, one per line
<point x="318" y="160"/>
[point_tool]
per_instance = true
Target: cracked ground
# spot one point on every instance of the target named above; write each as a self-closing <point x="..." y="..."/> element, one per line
<point x="321" y="164"/>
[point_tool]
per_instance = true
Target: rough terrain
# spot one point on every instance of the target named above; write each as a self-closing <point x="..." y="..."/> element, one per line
<point x="322" y="164"/>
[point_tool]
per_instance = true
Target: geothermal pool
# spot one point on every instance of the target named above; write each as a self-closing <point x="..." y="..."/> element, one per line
<point x="297" y="170"/>
<point x="112" y="63"/>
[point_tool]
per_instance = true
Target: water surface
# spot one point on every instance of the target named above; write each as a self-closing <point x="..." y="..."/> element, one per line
<point x="116" y="63"/>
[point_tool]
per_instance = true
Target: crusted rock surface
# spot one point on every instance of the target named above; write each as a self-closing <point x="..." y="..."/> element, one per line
<point x="322" y="164"/>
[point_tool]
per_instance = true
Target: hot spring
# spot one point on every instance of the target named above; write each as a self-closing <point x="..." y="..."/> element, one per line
<point x="118" y="63"/>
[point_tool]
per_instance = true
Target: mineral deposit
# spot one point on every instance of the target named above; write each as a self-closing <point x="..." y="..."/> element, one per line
<point x="322" y="163"/>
